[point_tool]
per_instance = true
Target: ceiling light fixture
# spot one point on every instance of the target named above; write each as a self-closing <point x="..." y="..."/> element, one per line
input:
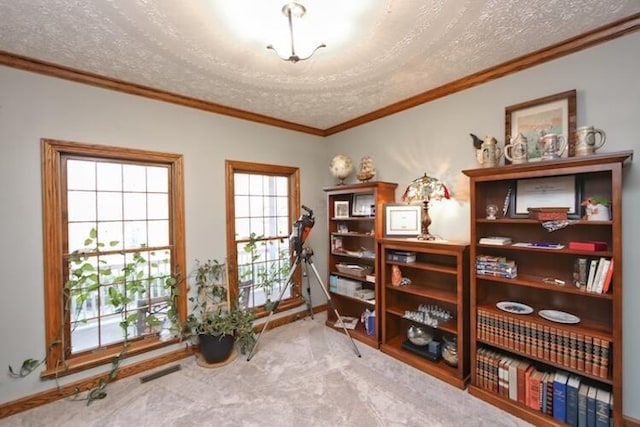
<point x="291" y="10"/>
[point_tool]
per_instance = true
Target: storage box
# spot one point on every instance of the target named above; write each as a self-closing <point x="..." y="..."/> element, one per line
<point x="588" y="246"/>
<point x="366" y="294"/>
<point x="548" y="214"/>
<point x="347" y="287"/>
<point x="401" y="256"/>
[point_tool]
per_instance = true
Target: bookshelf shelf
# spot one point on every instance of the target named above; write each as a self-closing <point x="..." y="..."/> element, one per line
<point x="589" y="352"/>
<point x="439" y="277"/>
<point x="353" y="240"/>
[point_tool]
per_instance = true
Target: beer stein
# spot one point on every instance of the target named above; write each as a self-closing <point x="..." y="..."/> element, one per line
<point x="588" y="140"/>
<point x="518" y="150"/>
<point x="490" y="153"/>
<point x="553" y="146"/>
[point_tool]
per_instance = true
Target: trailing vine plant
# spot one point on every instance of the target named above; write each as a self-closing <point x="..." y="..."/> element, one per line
<point x="84" y="279"/>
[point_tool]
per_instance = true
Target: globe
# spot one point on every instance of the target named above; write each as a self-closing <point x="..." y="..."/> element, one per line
<point x="341" y="167"/>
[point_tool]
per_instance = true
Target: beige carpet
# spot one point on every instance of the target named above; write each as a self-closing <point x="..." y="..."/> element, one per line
<point x="302" y="374"/>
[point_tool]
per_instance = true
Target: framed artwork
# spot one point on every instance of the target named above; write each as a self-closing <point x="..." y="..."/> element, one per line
<point x="554" y="192"/>
<point x="550" y="114"/>
<point x="402" y="220"/>
<point x="341" y="209"/>
<point x="362" y="205"/>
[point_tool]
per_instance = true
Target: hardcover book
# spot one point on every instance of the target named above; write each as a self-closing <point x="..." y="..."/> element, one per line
<point x="603" y="411"/>
<point x="560" y="396"/>
<point x="573" y="384"/>
<point x="582" y="405"/>
<point x="591" y="406"/>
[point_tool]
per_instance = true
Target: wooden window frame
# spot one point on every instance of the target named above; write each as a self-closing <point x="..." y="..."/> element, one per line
<point x="293" y="175"/>
<point x="58" y="362"/>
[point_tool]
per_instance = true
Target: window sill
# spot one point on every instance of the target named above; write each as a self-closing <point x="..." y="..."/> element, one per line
<point x="103" y="357"/>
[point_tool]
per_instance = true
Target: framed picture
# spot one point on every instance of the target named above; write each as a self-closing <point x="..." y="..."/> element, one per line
<point x="341" y="209"/>
<point x="553" y="192"/>
<point x="402" y="220"/>
<point x="550" y="114"/>
<point x="362" y="205"/>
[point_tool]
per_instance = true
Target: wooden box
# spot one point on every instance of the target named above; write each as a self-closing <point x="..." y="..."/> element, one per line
<point x="548" y="214"/>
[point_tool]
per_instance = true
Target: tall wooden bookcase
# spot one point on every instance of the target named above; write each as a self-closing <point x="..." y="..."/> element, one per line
<point x="498" y="335"/>
<point x="440" y="278"/>
<point x="355" y="225"/>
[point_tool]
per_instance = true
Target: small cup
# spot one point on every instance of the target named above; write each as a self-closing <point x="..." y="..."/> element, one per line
<point x="588" y="140"/>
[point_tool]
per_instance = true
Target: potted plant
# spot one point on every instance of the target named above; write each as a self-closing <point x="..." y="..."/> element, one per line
<point x="214" y="322"/>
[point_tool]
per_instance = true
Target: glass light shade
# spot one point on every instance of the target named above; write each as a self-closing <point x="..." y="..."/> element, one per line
<point x="424" y="190"/>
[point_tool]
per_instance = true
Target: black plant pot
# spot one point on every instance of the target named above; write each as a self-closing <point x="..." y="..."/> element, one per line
<point x="215" y="348"/>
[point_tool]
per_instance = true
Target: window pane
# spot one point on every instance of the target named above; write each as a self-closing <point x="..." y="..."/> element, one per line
<point x="135" y="206"/>
<point x="257" y="226"/>
<point x="111" y="269"/>
<point x="269" y="206"/>
<point x="283" y="206"/>
<point x="158" y="206"/>
<point x="109" y="206"/>
<point x="110" y="330"/>
<point x="242" y="228"/>
<point x="81" y="175"/>
<point x="109" y="176"/>
<point x="158" y="233"/>
<point x="109" y="232"/>
<point x="242" y="206"/>
<point x="135" y="234"/>
<point x="157" y="179"/>
<point x="241" y="183"/>
<point x="256" y="206"/>
<point x="78" y="232"/>
<point x="255" y="185"/>
<point x="81" y="205"/>
<point x="134" y="178"/>
<point x="282" y="186"/>
<point x="84" y="336"/>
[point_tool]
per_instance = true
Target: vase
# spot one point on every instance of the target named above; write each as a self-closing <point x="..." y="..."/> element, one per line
<point x="598" y="212"/>
<point x="215" y="348"/>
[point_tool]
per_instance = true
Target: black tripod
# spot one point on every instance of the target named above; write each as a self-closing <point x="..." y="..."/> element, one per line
<point x="304" y="255"/>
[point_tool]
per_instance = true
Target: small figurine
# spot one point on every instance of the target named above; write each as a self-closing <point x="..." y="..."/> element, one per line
<point x="396" y="275"/>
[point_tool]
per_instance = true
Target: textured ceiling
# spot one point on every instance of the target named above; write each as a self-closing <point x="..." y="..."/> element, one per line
<point x="390" y="51"/>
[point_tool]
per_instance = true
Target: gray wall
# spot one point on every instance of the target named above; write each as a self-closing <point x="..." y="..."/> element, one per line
<point x="430" y="138"/>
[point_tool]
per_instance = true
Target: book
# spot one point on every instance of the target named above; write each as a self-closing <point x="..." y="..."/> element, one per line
<point x="603" y="411"/>
<point x="513" y="380"/>
<point x="573" y="384"/>
<point x="560" y="396"/>
<point x="593" y="266"/>
<point x="582" y="405"/>
<point x="591" y="406"/>
<point x="607" y="279"/>
<point x="598" y="275"/>
<point x="348" y="322"/>
<point x="589" y="246"/>
<point x="495" y="240"/>
<point x="599" y="285"/>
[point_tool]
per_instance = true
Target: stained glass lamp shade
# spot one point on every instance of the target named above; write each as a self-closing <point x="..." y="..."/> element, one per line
<point x="424" y="190"/>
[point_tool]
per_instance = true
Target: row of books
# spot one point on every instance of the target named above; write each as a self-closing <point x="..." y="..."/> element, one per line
<point x="496" y="266"/>
<point x="566" y="397"/>
<point x="576" y="351"/>
<point x="599" y="275"/>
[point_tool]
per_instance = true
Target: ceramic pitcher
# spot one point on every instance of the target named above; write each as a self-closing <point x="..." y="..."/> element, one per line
<point x="518" y="150"/>
<point x="490" y="153"/>
<point x="588" y="140"/>
<point x="553" y="146"/>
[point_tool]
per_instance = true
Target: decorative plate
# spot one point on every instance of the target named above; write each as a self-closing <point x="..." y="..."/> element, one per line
<point x="559" y="316"/>
<point x="514" y="307"/>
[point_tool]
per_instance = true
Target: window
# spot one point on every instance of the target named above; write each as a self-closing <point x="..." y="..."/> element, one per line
<point x="113" y="245"/>
<point x="262" y="203"/>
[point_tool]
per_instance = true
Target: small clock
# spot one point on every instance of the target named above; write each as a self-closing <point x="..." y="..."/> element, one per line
<point x="491" y="211"/>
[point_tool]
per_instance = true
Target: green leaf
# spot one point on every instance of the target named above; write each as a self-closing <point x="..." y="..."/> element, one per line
<point x="93" y="233"/>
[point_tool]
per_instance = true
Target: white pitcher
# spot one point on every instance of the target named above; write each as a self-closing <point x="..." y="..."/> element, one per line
<point x="490" y="153"/>
<point x="517" y="151"/>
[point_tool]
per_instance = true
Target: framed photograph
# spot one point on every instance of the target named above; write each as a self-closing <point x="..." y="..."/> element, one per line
<point x="550" y="114"/>
<point x="362" y="205"/>
<point x="341" y="209"/>
<point x="343" y="228"/>
<point x="402" y="220"/>
<point x="553" y="192"/>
